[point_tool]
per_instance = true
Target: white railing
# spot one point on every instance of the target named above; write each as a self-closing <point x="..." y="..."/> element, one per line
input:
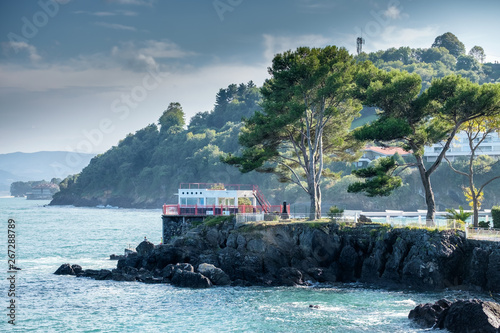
<point x="249" y="217"/>
<point x="483" y="234"/>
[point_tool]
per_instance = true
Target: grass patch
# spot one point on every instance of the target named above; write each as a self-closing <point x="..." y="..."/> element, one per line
<point x="216" y="220"/>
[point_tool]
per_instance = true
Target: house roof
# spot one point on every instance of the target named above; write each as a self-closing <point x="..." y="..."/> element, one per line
<point x="388" y="151"/>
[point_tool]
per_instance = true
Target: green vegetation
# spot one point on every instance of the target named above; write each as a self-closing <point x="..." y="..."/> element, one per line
<point x="459" y="215"/>
<point x="495" y="214"/>
<point x="212" y="221"/>
<point x="308" y="108"/>
<point x="377" y="178"/>
<point x="477" y="131"/>
<point x="334" y="212"/>
<point x="19" y="189"/>
<point x="145" y="168"/>
<point x="421" y="119"/>
<point x="483" y="224"/>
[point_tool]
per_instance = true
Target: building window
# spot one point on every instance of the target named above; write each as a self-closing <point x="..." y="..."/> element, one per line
<point x="226" y="201"/>
<point x="211" y="201"/>
<point x="438" y="149"/>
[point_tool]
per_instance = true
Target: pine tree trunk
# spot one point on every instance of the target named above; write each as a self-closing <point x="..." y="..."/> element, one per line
<point x="429" y="194"/>
<point x="315" y="197"/>
<point x="318" y="202"/>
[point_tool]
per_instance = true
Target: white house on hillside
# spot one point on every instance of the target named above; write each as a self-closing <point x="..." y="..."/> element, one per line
<point x="460" y="147"/>
<point x="371" y="153"/>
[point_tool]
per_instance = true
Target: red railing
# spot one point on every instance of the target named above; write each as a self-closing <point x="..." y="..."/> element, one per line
<point x="217" y="186"/>
<point x="207" y="210"/>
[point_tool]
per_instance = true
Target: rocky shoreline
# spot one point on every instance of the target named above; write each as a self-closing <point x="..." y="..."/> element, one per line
<point x="304" y="253"/>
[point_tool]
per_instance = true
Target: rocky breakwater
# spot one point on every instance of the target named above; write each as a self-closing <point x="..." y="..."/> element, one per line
<point x="303" y="253"/>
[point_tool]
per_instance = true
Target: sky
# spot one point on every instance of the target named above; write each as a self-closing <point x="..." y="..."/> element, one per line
<point x="79" y="75"/>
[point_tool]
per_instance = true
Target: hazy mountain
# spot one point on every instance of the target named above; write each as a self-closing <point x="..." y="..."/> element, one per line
<point x="41" y="165"/>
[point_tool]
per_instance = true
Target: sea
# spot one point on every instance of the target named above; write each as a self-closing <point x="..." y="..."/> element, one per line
<point x="48" y="236"/>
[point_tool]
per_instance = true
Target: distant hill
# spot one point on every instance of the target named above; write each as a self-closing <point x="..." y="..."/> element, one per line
<point x="40" y="165"/>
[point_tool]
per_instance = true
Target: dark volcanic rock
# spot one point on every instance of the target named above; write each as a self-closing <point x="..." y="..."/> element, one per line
<point x="430" y="315"/>
<point x="77" y="269"/>
<point x="289" y="276"/>
<point x="473" y="316"/>
<point x="493" y="272"/>
<point x="67" y="269"/>
<point x="116" y="256"/>
<point x="216" y="275"/>
<point x="188" y="279"/>
<point x="145" y="248"/>
<point x="462" y="316"/>
<point x="129" y="261"/>
<point x="295" y="253"/>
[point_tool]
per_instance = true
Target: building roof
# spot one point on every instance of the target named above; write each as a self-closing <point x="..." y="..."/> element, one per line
<point x="388" y="151"/>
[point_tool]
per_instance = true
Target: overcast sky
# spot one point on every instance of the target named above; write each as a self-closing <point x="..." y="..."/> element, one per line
<point x="79" y="75"/>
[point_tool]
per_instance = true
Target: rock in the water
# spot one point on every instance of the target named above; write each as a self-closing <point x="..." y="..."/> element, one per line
<point x="189" y="279"/>
<point x="77" y="269"/>
<point x="289" y="276"/>
<point x="67" y="269"/>
<point x="145" y="248"/>
<point x="473" y="316"/>
<point x="216" y="275"/>
<point x="430" y="315"/>
<point x="116" y="257"/>
<point x="462" y="316"/>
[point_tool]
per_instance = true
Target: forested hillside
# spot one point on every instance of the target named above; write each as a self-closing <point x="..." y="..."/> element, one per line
<point x="145" y="169"/>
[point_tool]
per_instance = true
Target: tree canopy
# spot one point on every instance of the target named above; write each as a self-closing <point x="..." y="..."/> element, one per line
<point x="450" y="42"/>
<point x="423" y="119"/>
<point x="307" y="111"/>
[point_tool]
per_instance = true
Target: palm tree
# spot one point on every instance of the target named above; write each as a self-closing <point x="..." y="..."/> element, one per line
<point x="458" y="215"/>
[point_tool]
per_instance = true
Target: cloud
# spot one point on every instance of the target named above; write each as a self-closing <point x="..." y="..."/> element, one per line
<point x="394" y="36"/>
<point x="15" y="47"/>
<point x="392" y="12"/>
<point x="133" y="2"/>
<point x="144" y="56"/>
<point x="278" y="44"/>
<point x="115" y="26"/>
<point x="71" y="93"/>
<point x="316" y="5"/>
<point x="103" y="14"/>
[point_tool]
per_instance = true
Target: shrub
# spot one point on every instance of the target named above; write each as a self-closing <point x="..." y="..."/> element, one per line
<point x="216" y="220"/>
<point x="334" y="212"/>
<point x="483" y="224"/>
<point x="271" y="217"/>
<point x="495" y="214"/>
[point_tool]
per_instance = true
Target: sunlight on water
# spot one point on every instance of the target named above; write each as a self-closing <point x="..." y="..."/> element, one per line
<point x="50" y="236"/>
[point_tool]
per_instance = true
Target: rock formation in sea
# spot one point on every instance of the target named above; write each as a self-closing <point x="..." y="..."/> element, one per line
<point x="305" y="253"/>
<point x="462" y="316"/>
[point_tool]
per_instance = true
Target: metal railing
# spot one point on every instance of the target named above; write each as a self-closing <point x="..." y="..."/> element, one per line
<point x="483" y="234"/>
<point x="207" y="210"/>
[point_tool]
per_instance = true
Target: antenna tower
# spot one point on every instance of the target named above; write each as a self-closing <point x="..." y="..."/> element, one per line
<point x="359" y="42"/>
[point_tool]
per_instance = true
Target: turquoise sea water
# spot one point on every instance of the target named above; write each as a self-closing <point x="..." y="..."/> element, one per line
<point x="47" y="237"/>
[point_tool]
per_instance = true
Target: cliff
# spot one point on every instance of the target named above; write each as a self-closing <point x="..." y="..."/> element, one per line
<point x="305" y="253"/>
<point x="296" y="254"/>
